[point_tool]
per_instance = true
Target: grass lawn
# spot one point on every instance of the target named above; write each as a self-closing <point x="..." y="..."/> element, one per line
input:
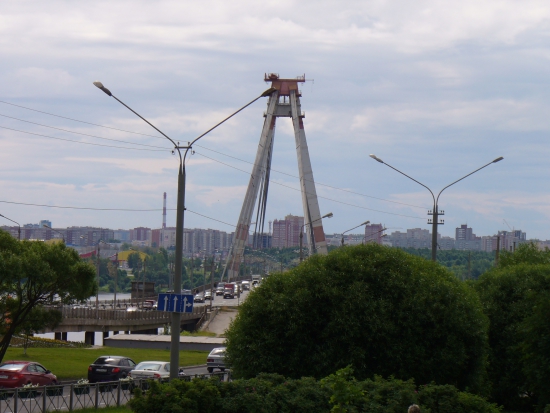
<point x="72" y="363"/>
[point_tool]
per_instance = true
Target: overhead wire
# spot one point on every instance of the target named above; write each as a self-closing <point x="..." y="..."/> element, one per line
<point x="200" y="146"/>
<point x="318" y="196"/>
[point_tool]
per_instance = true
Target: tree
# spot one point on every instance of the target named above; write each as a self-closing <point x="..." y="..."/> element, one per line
<point x="35" y="274"/>
<point x="376" y="308"/>
<point x="514" y="297"/>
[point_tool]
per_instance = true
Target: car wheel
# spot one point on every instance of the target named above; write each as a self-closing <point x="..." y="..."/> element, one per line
<point x="210" y="369"/>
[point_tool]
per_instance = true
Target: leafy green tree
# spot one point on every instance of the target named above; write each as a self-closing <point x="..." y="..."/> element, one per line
<point x="378" y="309"/>
<point x="35" y="274"/>
<point x="515" y="297"/>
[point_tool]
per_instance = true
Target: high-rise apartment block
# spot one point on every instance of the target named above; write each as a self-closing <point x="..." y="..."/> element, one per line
<point x="374" y="233"/>
<point x="286" y="232"/>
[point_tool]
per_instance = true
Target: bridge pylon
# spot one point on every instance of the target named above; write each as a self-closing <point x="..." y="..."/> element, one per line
<point x="284" y="103"/>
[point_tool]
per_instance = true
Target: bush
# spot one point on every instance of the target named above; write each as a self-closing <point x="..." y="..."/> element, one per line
<point x="376" y="308"/>
<point x="337" y="393"/>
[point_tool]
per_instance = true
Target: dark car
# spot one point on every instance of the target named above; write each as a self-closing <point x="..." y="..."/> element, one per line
<point x="110" y="368"/>
<point x="219" y="290"/>
<point x="16" y="373"/>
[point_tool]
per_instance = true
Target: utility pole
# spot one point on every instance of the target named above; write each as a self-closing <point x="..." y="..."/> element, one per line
<point x="497" y="253"/>
<point x="469" y="265"/>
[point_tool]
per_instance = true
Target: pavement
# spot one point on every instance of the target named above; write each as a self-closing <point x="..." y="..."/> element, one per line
<point x="221" y="321"/>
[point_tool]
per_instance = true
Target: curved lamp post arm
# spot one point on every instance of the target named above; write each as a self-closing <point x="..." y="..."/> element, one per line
<point x="99" y="85"/>
<point x="500" y="158"/>
<point x="360" y="225"/>
<point x="267" y="92"/>
<point x="403" y="173"/>
<point x="3" y="216"/>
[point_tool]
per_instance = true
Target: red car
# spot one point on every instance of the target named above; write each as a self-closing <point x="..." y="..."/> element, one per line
<point x="15" y="373"/>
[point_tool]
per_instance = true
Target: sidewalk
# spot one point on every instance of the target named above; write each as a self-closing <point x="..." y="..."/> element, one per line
<point x="221" y="321"/>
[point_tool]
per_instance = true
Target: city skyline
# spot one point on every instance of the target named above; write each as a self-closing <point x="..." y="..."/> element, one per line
<point x="424" y="86"/>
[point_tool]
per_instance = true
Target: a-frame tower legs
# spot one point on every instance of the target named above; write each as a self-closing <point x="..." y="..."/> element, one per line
<point x="312" y="216"/>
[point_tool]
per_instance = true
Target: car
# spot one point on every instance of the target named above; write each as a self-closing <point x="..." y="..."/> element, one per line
<point x="151" y="370"/>
<point x="199" y="298"/>
<point x="216" y="359"/>
<point x="110" y="368"/>
<point x="208" y="295"/>
<point x="149" y="305"/>
<point x="245" y="285"/>
<point x="15" y="373"/>
<point x="219" y="290"/>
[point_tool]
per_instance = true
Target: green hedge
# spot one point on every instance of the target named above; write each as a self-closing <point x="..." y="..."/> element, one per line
<point x="273" y="393"/>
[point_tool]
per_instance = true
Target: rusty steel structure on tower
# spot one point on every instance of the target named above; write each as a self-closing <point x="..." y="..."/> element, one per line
<point x="284" y="103"/>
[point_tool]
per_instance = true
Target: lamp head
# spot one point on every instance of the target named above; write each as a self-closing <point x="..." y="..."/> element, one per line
<point x="500" y="158"/>
<point x="268" y="92"/>
<point x="329" y="215"/>
<point x="45" y="226"/>
<point x="99" y="85"/>
<point x="366" y="223"/>
<point x="373" y="156"/>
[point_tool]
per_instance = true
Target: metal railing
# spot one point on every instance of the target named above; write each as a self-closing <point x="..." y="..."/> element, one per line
<point x="70" y="397"/>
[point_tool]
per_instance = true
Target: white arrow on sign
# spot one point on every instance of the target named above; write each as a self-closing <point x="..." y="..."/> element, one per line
<point x="175" y="303"/>
<point x="165" y="303"/>
<point x="186" y="304"/>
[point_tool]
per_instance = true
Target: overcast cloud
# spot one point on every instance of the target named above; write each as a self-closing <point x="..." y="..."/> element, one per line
<point x="436" y="89"/>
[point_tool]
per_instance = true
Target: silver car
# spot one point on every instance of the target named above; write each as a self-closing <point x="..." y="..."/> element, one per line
<point x="151" y="370"/>
<point x="216" y="359"/>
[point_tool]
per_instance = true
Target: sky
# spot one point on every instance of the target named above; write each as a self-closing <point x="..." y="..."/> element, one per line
<point x="435" y="89"/>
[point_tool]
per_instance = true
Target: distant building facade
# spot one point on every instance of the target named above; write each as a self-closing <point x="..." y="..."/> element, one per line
<point x="286" y="232"/>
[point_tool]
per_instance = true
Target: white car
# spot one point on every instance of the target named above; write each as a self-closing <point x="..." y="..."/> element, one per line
<point x="216" y="359"/>
<point x="151" y="370"/>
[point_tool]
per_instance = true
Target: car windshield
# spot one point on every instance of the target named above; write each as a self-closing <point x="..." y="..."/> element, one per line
<point x="148" y="366"/>
<point x="107" y="360"/>
<point x="12" y="366"/>
<point x="217" y="352"/>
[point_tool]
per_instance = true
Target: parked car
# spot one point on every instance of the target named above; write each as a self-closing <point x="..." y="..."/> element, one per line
<point x="208" y="295"/>
<point x="110" y="368"/>
<point x="151" y="370"/>
<point x="16" y="373"/>
<point x="216" y="359"/>
<point x="199" y="298"/>
<point x="219" y="290"/>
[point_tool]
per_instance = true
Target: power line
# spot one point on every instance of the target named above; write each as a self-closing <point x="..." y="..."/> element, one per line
<point x="83" y="143"/>
<point x="83" y="134"/>
<point x="212" y="150"/>
<point x="318" y="196"/>
<point x="316" y="183"/>
<point x="80" y="121"/>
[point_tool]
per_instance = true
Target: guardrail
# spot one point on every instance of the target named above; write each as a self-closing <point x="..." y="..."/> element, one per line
<point x="78" y="396"/>
<point x="92" y="313"/>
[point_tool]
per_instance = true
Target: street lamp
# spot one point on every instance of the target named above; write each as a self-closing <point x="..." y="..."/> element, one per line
<point x="142" y="277"/>
<point x="19" y="226"/>
<point x="54" y="230"/>
<point x="360" y="225"/>
<point x="175" y="319"/>
<point x="99" y="241"/>
<point x="329" y="215"/>
<point x="373" y="234"/>
<point x="435" y="212"/>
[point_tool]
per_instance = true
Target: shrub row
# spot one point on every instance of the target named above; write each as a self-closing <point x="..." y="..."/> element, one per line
<point x="273" y="393"/>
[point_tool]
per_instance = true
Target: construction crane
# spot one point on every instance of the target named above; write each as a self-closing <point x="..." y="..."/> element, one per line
<point x="507" y="224"/>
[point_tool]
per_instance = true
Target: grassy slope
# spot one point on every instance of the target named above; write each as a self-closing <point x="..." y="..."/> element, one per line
<point x="72" y="363"/>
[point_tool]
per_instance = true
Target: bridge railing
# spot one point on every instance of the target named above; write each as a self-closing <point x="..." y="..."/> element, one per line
<point x="68" y="312"/>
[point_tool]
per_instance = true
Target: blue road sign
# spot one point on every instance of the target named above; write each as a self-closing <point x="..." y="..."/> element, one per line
<point x="178" y="303"/>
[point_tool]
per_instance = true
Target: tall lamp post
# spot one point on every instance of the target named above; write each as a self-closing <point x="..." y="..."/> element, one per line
<point x="19" y="226"/>
<point x="175" y="319"/>
<point x="329" y="215"/>
<point x="360" y="225"/>
<point x="54" y="230"/>
<point x="435" y="212"/>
